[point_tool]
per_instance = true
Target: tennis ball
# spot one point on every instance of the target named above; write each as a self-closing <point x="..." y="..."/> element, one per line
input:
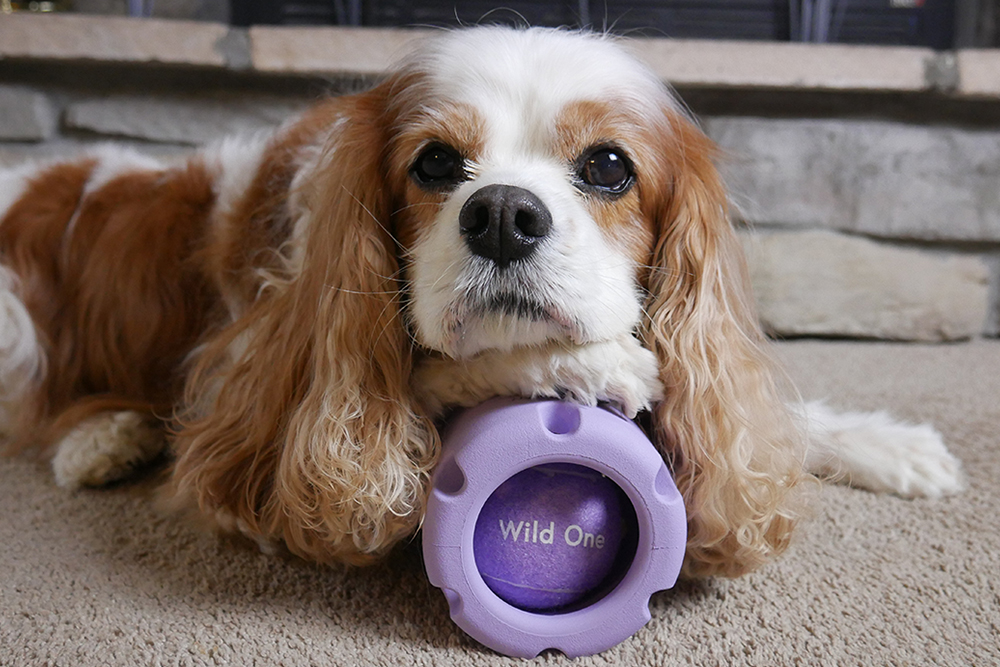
<point x="550" y="536"/>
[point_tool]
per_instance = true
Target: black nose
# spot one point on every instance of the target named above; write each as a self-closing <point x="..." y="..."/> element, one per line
<point x="504" y="223"/>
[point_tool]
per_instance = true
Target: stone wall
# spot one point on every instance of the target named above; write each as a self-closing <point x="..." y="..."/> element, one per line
<point x="867" y="228"/>
<point x="867" y="180"/>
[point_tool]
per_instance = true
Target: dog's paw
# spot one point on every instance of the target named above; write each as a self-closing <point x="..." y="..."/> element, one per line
<point x="621" y="372"/>
<point x="106" y="448"/>
<point x="874" y="451"/>
<point x="911" y="461"/>
<point x="637" y="380"/>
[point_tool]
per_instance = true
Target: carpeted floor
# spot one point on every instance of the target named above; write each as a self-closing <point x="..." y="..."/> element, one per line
<point x="97" y="578"/>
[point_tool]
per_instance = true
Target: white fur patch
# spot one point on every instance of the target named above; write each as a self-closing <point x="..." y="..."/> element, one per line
<point x="21" y="357"/>
<point x="235" y="163"/>
<point x="489" y="68"/>
<point x="114" y="161"/>
<point x="13" y="183"/>
<point x="871" y="450"/>
<point x="106" y="448"/>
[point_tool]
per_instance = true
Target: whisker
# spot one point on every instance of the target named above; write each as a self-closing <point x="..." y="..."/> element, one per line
<point x="368" y="211"/>
<point x="415" y="205"/>
<point x="444" y="273"/>
<point x="362" y="292"/>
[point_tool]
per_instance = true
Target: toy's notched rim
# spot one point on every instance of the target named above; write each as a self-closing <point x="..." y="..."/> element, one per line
<point x="469" y="475"/>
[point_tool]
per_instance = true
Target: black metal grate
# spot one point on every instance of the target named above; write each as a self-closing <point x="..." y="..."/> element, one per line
<point x="401" y="12"/>
<point x="697" y="19"/>
<point x="902" y="22"/>
<point x="877" y="22"/>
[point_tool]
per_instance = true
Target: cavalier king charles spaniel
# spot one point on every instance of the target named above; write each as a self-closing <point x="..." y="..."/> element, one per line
<point x="523" y="212"/>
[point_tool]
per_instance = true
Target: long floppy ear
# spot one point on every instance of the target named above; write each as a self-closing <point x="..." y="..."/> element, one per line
<point x="723" y="424"/>
<point x="304" y="430"/>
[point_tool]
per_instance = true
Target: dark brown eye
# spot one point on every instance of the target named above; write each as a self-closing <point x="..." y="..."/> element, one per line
<point x="438" y="167"/>
<point x="607" y="169"/>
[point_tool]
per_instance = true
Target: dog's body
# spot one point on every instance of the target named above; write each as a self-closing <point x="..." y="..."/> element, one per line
<point x="512" y="213"/>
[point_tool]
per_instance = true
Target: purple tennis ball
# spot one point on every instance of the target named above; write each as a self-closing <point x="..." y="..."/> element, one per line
<point x="549" y="536"/>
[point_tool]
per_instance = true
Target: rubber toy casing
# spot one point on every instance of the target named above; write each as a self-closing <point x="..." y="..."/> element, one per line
<point x="486" y="445"/>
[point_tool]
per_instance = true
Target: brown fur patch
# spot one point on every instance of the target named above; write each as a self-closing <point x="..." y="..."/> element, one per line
<point x="31" y="232"/>
<point x="583" y="125"/>
<point x="109" y="281"/>
<point x="458" y="126"/>
<point x="313" y="439"/>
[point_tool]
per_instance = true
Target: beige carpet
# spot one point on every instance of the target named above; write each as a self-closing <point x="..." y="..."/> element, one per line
<point x="96" y="578"/>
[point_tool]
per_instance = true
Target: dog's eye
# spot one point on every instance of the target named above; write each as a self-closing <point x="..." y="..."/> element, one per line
<point x="608" y="169"/>
<point x="438" y="166"/>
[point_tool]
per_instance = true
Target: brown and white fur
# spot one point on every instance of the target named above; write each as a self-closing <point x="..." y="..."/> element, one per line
<point x="289" y="315"/>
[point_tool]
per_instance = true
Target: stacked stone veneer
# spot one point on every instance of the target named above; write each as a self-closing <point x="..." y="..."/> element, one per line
<point x="867" y="228"/>
<point x="872" y="228"/>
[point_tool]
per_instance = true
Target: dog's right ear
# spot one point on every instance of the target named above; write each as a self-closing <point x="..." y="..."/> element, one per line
<point x="723" y="424"/>
<point x="302" y="427"/>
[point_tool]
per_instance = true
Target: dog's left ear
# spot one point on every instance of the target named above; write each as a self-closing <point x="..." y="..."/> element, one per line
<point x="723" y="423"/>
<point x="303" y="428"/>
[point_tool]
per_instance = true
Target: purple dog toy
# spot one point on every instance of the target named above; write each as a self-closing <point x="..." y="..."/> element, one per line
<point x="550" y="525"/>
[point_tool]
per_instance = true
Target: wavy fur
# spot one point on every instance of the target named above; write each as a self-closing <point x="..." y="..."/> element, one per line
<point x="736" y="452"/>
<point x="312" y="437"/>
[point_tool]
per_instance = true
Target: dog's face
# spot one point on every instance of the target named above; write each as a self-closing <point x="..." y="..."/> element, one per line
<point x="524" y="158"/>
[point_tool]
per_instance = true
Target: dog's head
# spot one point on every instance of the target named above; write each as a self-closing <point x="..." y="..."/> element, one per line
<point x="505" y="191"/>
<point x="529" y="163"/>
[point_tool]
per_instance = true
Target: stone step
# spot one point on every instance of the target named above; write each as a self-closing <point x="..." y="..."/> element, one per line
<point x="336" y="50"/>
<point x="821" y="283"/>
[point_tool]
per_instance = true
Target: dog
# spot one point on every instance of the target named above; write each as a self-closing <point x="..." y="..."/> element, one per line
<point x="525" y="212"/>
